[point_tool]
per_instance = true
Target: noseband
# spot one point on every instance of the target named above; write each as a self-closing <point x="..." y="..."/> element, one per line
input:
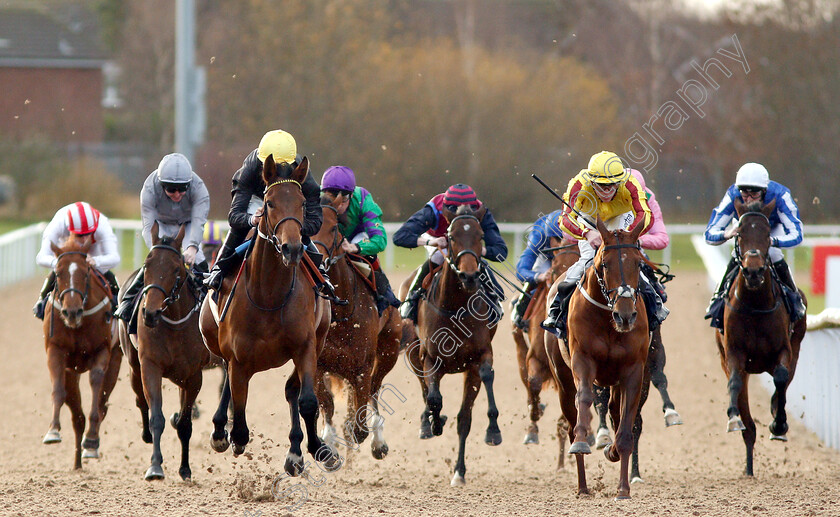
<point x="172" y="295"/>
<point x="739" y="258"/>
<point x="84" y="294"/>
<point x="336" y="242"/>
<point x="453" y="262"/>
<point x="273" y="237"/>
<point x="623" y="290"/>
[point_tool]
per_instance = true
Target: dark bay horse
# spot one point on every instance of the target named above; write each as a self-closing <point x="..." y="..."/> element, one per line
<point x="757" y="333"/>
<point x="534" y="366"/>
<point x="80" y="336"/>
<point x="608" y="346"/>
<point x="274" y="315"/>
<point x="361" y="346"/>
<point x="456" y="323"/>
<point x="168" y="345"/>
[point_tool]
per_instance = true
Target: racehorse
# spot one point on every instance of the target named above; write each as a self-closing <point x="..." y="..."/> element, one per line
<point x="274" y="316"/>
<point x="168" y="345"/>
<point x="757" y="333"/>
<point x="456" y="323"/>
<point x="608" y="345"/>
<point x="534" y="366"/>
<point x="81" y="338"/>
<point x="362" y="347"/>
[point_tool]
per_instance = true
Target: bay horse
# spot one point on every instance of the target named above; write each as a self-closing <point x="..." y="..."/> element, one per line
<point x="757" y="333"/>
<point x="168" y="345"/>
<point x="80" y="336"/>
<point x="274" y="315"/>
<point x="608" y="346"/>
<point x="534" y="366"/>
<point x="455" y="324"/>
<point x="361" y="347"/>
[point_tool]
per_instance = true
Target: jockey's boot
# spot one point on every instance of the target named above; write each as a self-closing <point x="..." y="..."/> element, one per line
<point x="41" y="304"/>
<point x="716" y="305"/>
<point x="225" y="259"/>
<point x="115" y="289"/>
<point x="325" y="288"/>
<point x="384" y="294"/>
<point x="495" y="293"/>
<point x="408" y="308"/>
<point x="519" y="307"/>
<point x="795" y="304"/>
<point x="556" y="320"/>
<point x="656" y="310"/>
<point x="126" y="307"/>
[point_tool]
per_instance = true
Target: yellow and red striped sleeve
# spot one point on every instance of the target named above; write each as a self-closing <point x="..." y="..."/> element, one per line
<point x="569" y="223"/>
<point x="638" y="198"/>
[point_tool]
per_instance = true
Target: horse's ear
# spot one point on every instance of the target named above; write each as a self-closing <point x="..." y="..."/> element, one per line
<point x="269" y="170"/>
<point x="448" y="214"/>
<point x="300" y="172"/>
<point x="55" y="249"/>
<point x="636" y="229"/>
<point x="768" y="208"/>
<point x="337" y="200"/>
<point x="739" y="207"/>
<point x="85" y="243"/>
<point x="479" y="214"/>
<point x="602" y="228"/>
<point x="180" y="237"/>
<point x="155" y="233"/>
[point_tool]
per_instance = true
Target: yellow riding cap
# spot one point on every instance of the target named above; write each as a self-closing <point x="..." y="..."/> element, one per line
<point x="278" y="143"/>
<point x="606" y="167"/>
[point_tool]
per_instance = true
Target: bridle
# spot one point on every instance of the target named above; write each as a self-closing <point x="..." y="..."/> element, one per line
<point x="623" y="290"/>
<point x="739" y="258"/>
<point x="174" y="294"/>
<point x="273" y="237"/>
<point x="453" y="261"/>
<point x="83" y="294"/>
<point x="337" y="239"/>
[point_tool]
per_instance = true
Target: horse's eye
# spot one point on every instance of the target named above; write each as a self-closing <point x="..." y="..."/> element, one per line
<point x="269" y="204"/>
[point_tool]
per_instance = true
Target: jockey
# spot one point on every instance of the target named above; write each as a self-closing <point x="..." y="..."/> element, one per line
<point x="172" y="195"/>
<point x="752" y="184"/>
<point x="82" y="219"/>
<point x="427" y="227"/>
<point x="211" y="241"/>
<point x="608" y="190"/>
<point x="534" y="264"/>
<point x="247" y="192"/>
<point x="360" y="222"/>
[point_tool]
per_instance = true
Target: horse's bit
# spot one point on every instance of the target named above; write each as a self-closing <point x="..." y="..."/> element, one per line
<point x="623" y="290"/>
<point x="453" y="262"/>
<point x="173" y="294"/>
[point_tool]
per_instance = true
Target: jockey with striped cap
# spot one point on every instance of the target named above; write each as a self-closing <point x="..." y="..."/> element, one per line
<point x="82" y="219"/>
<point x="360" y="222"/>
<point x="752" y="184"/>
<point x="427" y="227"/>
<point x="246" y="208"/>
<point x="605" y="189"/>
<point x="172" y="195"/>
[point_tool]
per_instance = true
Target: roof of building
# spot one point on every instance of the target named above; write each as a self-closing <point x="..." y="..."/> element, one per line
<point x="31" y="38"/>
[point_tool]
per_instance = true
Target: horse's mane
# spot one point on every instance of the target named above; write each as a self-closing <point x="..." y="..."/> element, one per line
<point x="167" y="241"/>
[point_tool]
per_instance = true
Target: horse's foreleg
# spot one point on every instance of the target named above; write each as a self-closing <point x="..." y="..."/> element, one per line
<point x="308" y="405"/>
<point x="139" y="396"/>
<point x="434" y="400"/>
<point x="749" y="433"/>
<point x="779" y="426"/>
<point x="189" y="392"/>
<point x="97" y="381"/>
<point x="583" y="401"/>
<point x="656" y="367"/>
<point x="294" y="459"/>
<point x="629" y="390"/>
<point x="56" y="361"/>
<point x="152" y="389"/>
<point x="736" y="385"/>
<point x="472" y="383"/>
<point x="74" y="402"/>
<point x="112" y="373"/>
<point x="327" y="402"/>
<point x="602" y="402"/>
<point x="412" y="356"/>
<point x="485" y="371"/>
<point x="387" y="354"/>
<point x="356" y="426"/>
<point x="238" y="378"/>
<point x="219" y="439"/>
<point x="635" y="474"/>
<point x="533" y="383"/>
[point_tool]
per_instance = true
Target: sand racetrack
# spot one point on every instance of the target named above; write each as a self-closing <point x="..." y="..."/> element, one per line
<point x="693" y="469"/>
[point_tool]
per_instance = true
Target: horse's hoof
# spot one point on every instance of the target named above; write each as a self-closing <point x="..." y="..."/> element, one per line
<point x="174" y="420"/>
<point x="92" y="454"/>
<point x="379" y="452"/>
<point x="531" y="438"/>
<point x="590" y="439"/>
<point x="622" y="497"/>
<point x="52" y="436"/>
<point x="220" y="444"/>
<point x="611" y="453"/>
<point x="154" y="472"/>
<point x="457" y="480"/>
<point x="238" y="449"/>
<point x="186" y="473"/>
<point x="437" y="429"/>
<point x="146" y="436"/>
<point x="580" y="448"/>
<point x="636" y="479"/>
<point x="195" y="412"/>
<point x="735" y="424"/>
<point x="329" y="457"/>
<point x="90" y="443"/>
<point x="672" y="417"/>
<point x="493" y="437"/>
<point x="602" y="439"/>
<point x="293" y="465"/>
<point x="778" y="429"/>
<point x="425" y="432"/>
<point x="779" y="437"/>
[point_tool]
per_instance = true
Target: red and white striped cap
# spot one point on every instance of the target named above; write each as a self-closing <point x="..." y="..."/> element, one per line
<point x="82" y="218"/>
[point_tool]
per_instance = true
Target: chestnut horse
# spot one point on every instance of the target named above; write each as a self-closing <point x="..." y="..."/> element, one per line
<point x="757" y="334"/>
<point x="168" y="345"/>
<point x="82" y="338"/>
<point x="608" y="346"/>
<point x="274" y="315"/>
<point x="456" y="323"/>
<point x="534" y="366"/>
<point x="362" y="347"/>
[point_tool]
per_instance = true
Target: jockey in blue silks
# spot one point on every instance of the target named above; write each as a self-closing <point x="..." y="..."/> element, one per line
<point x="752" y="184"/>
